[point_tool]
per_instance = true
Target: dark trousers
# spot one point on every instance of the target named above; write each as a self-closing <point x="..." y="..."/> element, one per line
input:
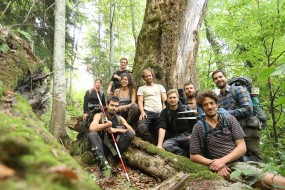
<point x="178" y="144"/>
<point x="147" y="128"/>
<point x="96" y="143"/>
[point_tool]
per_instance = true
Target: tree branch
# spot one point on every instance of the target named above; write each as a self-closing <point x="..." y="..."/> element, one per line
<point x="277" y="58"/>
<point x="34" y="2"/>
<point x="3" y="13"/>
<point x="49" y="7"/>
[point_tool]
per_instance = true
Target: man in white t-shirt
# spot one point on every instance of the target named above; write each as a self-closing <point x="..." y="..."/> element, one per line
<point x="151" y="100"/>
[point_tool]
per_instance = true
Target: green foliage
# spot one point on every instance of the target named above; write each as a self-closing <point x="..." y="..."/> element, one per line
<point x="74" y="106"/>
<point x="4" y="48"/>
<point x="98" y="38"/>
<point x="2" y="88"/>
<point x="24" y="34"/>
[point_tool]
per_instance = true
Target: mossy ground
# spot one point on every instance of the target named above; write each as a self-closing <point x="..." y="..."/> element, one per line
<point x="28" y="148"/>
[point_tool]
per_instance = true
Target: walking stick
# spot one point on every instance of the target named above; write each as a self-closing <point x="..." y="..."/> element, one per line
<point x="117" y="149"/>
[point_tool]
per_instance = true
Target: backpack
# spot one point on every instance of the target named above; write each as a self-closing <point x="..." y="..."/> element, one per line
<point x="84" y="129"/>
<point x="94" y="107"/>
<point x="258" y="112"/>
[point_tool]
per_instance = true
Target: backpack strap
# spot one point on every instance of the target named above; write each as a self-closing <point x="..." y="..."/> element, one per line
<point x="233" y="92"/>
<point x="106" y="138"/>
<point x="90" y="90"/>
<point x="206" y="132"/>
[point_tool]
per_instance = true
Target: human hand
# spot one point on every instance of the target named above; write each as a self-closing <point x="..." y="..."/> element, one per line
<point x="159" y="146"/>
<point x="217" y="164"/>
<point x="189" y="137"/>
<point x="109" y="93"/>
<point x="225" y="172"/>
<point x="142" y="116"/>
<point x="111" y="130"/>
<point x="109" y="123"/>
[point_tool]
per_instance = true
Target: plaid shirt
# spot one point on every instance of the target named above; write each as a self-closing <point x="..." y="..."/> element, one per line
<point x="236" y="101"/>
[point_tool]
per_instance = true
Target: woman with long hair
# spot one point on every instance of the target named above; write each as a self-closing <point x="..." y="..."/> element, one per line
<point x="91" y="102"/>
<point x="127" y="95"/>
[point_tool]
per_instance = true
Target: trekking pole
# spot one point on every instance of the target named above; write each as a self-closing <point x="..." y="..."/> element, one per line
<point x="117" y="149"/>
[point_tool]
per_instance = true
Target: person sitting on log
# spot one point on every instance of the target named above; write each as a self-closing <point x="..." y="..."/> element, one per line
<point x="128" y="108"/>
<point x="151" y="100"/>
<point x="218" y="142"/>
<point x="175" y="126"/>
<point x="100" y="138"/>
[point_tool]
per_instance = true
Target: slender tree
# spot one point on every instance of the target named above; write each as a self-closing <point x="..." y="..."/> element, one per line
<point x="112" y="48"/>
<point x="57" y="122"/>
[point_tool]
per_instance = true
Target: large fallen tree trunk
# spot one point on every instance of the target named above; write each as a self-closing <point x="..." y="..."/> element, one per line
<point x="175" y="172"/>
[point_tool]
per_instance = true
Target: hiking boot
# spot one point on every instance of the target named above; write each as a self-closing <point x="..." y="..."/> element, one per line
<point x="106" y="171"/>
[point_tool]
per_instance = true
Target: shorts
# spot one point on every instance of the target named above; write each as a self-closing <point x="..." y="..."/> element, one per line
<point x="251" y="172"/>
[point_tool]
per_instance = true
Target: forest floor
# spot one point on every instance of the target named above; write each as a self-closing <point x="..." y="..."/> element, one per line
<point x="138" y="180"/>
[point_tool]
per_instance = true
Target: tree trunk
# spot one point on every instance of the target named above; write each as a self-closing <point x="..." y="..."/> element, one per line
<point x="133" y="20"/>
<point x="177" y="181"/>
<point x="168" y="41"/>
<point x="111" y="56"/>
<point x="57" y="123"/>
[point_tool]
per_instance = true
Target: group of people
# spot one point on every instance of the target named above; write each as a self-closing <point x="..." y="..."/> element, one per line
<point x="206" y="127"/>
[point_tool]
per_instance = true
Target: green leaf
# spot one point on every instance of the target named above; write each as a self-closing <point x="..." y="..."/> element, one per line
<point x="280" y="100"/>
<point x="265" y="74"/>
<point x="279" y="70"/>
<point x="5" y="48"/>
<point x="236" y="174"/>
<point x="25" y="34"/>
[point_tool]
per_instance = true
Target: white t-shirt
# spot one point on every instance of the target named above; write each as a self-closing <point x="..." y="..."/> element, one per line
<point x="152" y="97"/>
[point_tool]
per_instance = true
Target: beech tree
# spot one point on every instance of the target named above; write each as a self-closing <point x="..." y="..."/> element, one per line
<point x="168" y="41"/>
<point x="57" y="122"/>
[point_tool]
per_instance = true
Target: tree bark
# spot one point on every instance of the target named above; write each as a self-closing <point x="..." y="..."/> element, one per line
<point x="57" y="123"/>
<point x="168" y="41"/>
<point x="175" y="182"/>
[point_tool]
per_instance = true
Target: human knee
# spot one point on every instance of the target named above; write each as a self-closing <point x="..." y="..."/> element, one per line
<point x="167" y="145"/>
<point x="141" y="128"/>
<point x="130" y="134"/>
<point x="93" y="135"/>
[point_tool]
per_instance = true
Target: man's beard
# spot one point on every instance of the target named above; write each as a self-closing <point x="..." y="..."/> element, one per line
<point x="212" y="115"/>
<point x="111" y="113"/>
<point x="191" y="95"/>
<point x="224" y="84"/>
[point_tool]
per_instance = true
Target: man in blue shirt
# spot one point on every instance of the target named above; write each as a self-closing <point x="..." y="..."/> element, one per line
<point x="236" y="100"/>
